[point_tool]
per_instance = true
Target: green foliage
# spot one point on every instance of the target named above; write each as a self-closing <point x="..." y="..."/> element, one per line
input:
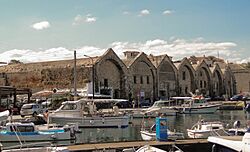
<point x="13" y="61"/>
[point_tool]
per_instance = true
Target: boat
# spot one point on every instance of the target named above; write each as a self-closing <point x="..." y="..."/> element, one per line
<point x="22" y="132"/>
<point x="4" y="115"/>
<point x="236" y="143"/>
<point x="150" y="134"/>
<point x="161" y="107"/>
<point x="204" y="129"/>
<point x="86" y="113"/>
<point x="197" y="105"/>
<point x="232" y="105"/>
<point x="149" y="148"/>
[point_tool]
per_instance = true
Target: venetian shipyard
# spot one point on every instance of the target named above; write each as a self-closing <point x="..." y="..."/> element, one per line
<point x="134" y="102"/>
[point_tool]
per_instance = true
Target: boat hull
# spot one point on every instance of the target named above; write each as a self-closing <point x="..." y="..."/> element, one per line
<point x="146" y="135"/>
<point x="36" y="136"/>
<point x="93" y="122"/>
<point x="199" y="110"/>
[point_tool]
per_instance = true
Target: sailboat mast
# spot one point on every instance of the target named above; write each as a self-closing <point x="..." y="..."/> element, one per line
<point x="75" y="90"/>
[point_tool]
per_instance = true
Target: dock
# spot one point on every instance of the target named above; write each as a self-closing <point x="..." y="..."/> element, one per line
<point x="191" y="143"/>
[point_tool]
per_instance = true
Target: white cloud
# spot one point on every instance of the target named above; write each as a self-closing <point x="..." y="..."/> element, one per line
<point x="41" y="25"/>
<point x="125" y="13"/>
<point x="177" y="48"/>
<point x="84" y="19"/>
<point x="144" y="12"/>
<point x="90" y="19"/>
<point x="167" y="12"/>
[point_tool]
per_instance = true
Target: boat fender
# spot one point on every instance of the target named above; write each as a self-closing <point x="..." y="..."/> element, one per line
<point x="53" y="137"/>
<point x="91" y="122"/>
<point x="103" y="120"/>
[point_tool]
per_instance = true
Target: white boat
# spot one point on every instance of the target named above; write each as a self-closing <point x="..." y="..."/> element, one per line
<point x="4" y="115"/>
<point x="22" y="132"/>
<point x="150" y="134"/>
<point x="148" y="148"/>
<point x="223" y="144"/>
<point x="197" y="105"/>
<point x="204" y="129"/>
<point x="39" y="149"/>
<point x="84" y="113"/>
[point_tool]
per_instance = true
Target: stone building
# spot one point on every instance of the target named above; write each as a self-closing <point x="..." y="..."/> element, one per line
<point x="186" y="77"/>
<point x="137" y="76"/>
<point x="141" y="75"/>
<point x="166" y="76"/>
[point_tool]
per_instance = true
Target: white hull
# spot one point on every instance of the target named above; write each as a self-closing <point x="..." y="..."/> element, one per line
<point x="199" y="110"/>
<point x="146" y="135"/>
<point x="95" y="121"/>
<point x="4" y="115"/>
<point x="148" y="148"/>
<point x="204" y="134"/>
<point x="42" y="136"/>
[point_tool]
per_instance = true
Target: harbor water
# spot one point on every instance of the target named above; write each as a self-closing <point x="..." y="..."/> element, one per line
<point x="179" y="123"/>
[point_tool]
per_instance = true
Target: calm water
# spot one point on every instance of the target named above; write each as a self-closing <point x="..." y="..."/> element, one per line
<point x="180" y="123"/>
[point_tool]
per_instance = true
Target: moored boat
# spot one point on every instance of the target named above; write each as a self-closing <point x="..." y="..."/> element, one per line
<point x="237" y="143"/>
<point x="198" y="105"/>
<point x="22" y="132"/>
<point x="204" y="129"/>
<point x="84" y="113"/>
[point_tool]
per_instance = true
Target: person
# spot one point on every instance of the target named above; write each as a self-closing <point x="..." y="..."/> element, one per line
<point x="46" y="115"/>
<point x="133" y="102"/>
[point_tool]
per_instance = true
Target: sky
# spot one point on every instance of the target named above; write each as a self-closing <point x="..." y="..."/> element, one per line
<point x="45" y="30"/>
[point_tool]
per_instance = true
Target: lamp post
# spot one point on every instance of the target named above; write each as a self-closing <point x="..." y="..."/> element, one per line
<point x="93" y="76"/>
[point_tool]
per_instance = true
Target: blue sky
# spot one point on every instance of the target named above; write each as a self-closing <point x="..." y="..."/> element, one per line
<point x="52" y="29"/>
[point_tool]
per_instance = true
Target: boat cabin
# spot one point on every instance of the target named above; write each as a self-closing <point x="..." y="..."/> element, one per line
<point x="20" y="127"/>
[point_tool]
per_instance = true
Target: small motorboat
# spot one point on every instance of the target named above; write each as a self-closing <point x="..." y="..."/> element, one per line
<point x="204" y="129"/>
<point x="21" y="132"/>
<point x="151" y="134"/>
<point x="224" y="145"/>
<point x="148" y="148"/>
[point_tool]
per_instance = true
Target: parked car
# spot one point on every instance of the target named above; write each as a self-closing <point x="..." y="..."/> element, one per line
<point x="237" y="97"/>
<point x="31" y="109"/>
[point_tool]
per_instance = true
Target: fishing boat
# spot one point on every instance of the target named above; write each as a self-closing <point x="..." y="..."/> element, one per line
<point x="150" y="134"/>
<point x="204" y="129"/>
<point x="86" y="113"/>
<point x="225" y="144"/>
<point x="197" y="105"/>
<point x="22" y="132"/>
<point x="161" y="107"/>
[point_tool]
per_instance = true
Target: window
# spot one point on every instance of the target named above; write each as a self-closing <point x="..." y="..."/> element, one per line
<point x="106" y="84"/>
<point x="141" y="79"/>
<point x="183" y="75"/>
<point x="205" y="84"/>
<point x="201" y="74"/>
<point x="186" y="90"/>
<point x="134" y="79"/>
<point x="147" y="79"/>
<point x="200" y="84"/>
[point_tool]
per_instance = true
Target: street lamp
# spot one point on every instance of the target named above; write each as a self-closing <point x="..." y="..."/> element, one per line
<point x="93" y="76"/>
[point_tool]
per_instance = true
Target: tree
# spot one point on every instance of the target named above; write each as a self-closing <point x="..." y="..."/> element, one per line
<point x="13" y="61"/>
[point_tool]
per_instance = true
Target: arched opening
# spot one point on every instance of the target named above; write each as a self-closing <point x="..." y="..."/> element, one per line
<point x="110" y="79"/>
<point x="167" y="81"/>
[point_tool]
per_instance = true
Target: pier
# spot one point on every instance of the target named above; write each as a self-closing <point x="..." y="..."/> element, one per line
<point x="186" y="145"/>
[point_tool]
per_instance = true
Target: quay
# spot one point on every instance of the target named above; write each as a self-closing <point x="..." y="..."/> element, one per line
<point x="186" y="145"/>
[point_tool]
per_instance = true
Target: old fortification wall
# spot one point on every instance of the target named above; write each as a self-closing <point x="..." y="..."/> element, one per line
<point x="45" y="75"/>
